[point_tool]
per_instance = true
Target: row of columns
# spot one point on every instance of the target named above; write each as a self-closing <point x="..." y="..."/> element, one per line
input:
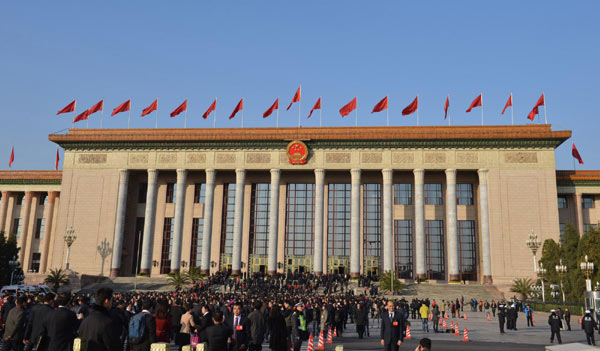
<point x="318" y="265"/>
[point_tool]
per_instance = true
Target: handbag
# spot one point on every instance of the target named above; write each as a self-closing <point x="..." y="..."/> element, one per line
<point x="194" y="340"/>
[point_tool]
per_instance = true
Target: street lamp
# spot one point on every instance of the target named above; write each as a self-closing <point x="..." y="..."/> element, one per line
<point x="69" y="239"/>
<point x="533" y="243"/>
<point x="587" y="268"/>
<point x="540" y="272"/>
<point x="561" y="269"/>
<point x="14" y="263"/>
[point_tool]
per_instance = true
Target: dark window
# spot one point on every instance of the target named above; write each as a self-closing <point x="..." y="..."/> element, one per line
<point x="562" y="201"/>
<point x="35" y="262"/>
<point x="562" y="231"/>
<point x="259" y="218"/>
<point x="19" y="199"/>
<point x="338" y="220"/>
<point x="372" y="220"/>
<point x="403" y="247"/>
<point x="167" y="246"/>
<point x="227" y="219"/>
<point x="587" y="227"/>
<point x="16" y="229"/>
<point x="142" y="191"/>
<point x="137" y="245"/>
<point x="170" y="193"/>
<point x="299" y="219"/>
<point x="464" y="194"/>
<point x="43" y="199"/>
<point x="433" y="194"/>
<point x="467" y="250"/>
<point x="40" y="225"/>
<point x="199" y="189"/>
<point x="403" y="194"/>
<point x="196" y="252"/>
<point x="587" y="201"/>
<point x="434" y="233"/>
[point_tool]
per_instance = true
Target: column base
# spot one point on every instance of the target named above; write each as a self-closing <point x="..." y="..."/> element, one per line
<point x="421" y="276"/>
<point x="354" y="275"/>
<point x="114" y="272"/>
<point x="272" y="273"/>
<point x="318" y="274"/>
<point x="487" y="279"/>
<point x="205" y="272"/>
<point x="175" y="270"/>
<point x="237" y="272"/>
<point x="145" y="271"/>
<point x="453" y="277"/>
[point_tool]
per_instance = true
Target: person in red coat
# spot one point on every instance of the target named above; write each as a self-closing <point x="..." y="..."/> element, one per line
<point x="163" y="323"/>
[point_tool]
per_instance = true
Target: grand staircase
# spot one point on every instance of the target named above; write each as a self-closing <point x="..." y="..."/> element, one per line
<point x="123" y="284"/>
<point x="450" y="291"/>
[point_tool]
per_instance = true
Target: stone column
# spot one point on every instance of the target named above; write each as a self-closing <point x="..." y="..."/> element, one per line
<point x="355" y="223"/>
<point x="388" y="221"/>
<point x="25" y="210"/>
<point x="115" y="266"/>
<point x="579" y="214"/>
<point x="319" y="267"/>
<point x="238" y="217"/>
<point x="209" y="195"/>
<point x="47" y="230"/>
<point x="3" y="209"/>
<point x="485" y="227"/>
<point x="420" y="258"/>
<point x="451" y="225"/>
<point x="273" y="221"/>
<point x="149" y="214"/>
<point x="178" y="226"/>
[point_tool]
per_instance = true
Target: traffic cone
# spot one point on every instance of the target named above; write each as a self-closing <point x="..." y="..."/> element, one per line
<point x="310" y="346"/>
<point x="451" y="325"/>
<point x="407" y="337"/>
<point x="579" y="320"/>
<point x="444" y="326"/>
<point x="489" y="319"/>
<point x="329" y="337"/>
<point x="533" y="320"/>
<point x="335" y="332"/>
<point x="321" y="344"/>
<point x="440" y="324"/>
<point x="430" y="316"/>
<point x="466" y="335"/>
<point x="465" y="318"/>
<point x="291" y="346"/>
<point x="456" y="332"/>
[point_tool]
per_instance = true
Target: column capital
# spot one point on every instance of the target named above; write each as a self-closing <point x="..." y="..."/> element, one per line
<point x="28" y="196"/>
<point x="388" y="175"/>
<point x="275" y="171"/>
<point x="482" y="172"/>
<point x="123" y="175"/>
<point x="240" y="171"/>
<point x="152" y="172"/>
<point x="181" y="171"/>
<point x="211" y="174"/>
<point x="52" y="196"/>
<point x="450" y="171"/>
<point x="355" y="175"/>
<point x="450" y="175"/>
<point x="319" y="175"/>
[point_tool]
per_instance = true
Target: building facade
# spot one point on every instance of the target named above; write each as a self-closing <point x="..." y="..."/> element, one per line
<point x="434" y="203"/>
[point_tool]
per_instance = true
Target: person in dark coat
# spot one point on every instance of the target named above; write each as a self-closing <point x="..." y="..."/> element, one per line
<point x="219" y="334"/>
<point x="61" y="325"/>
<point x="97" y="332"/>
<point x="392" y="325"/>
<point x="8" y="305"/>
<point x="35" y="325"/>
<point x="15" y="326"/>
<point x="241" y="329"/>
<point x="501" y="316"/>
<point x="360" y="319"/>
<point x="257" y="327"/>
<point x="176" y="311"/>
<point x="588" y="324"/>
<point x="204" y="322"/>
<point x="568" y="318"/>
<point x="555" y="325"/>
<point x="278" y="331"/>
<point x="149" y="328"/>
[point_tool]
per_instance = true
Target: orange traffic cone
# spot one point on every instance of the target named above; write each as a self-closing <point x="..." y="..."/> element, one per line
<point x="579" y="320"/>
<point x="489" y="318"/>
<point x="465" y="316"/>
<point x="407" y="337"/>
<point x="533" y="320"/>
<point x="440" y="324"/>
<point x="335" y="332"/>
<point x="466" y="335"/>
<point x="444" y="326"/>
<point x="451" y="325"/>
<point x="321" y="344"/>
<point x="456" y="332"/>
<point x="310" y="346"/>
<point x="430" y="316"/>
<point x="291" y="347"/>
<point x="329" y="337"/>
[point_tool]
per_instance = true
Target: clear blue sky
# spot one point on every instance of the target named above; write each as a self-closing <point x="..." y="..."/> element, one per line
<point x="52" y="52"/>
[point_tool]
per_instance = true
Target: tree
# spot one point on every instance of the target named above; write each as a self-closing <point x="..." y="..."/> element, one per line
<point x="8" y="251"/>
<point x="177" y="280"/>
<point x="589" y="245"/>
<point x="385" y="282"/>
<point x="522" y="286"/>
<point x="57" y="278"/>
<point x="194" y="275"/>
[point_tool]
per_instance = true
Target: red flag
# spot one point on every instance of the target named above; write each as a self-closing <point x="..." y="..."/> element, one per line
<point x="316" y="107"/>
<point x="349" y="107"/>
<point x="211" y="108"/>
<point x="296" y="98"/>
<point x="126" y="106"/>
<point x="69" y="108"/>
<point x="99" y="106"/>
<point x="535" y="110"/>
<point x="181" y="108"/>
<point x="575" y="154"/>
<point x="57" y="159"/>
<point x="153" y="107"/>
<point x="446" y="106"/>
<point x="414" y="106"/>
<point x="273" y="107"/>
<point x="238" y="108"/>
<point x="82" y="116"/>
<point x="475" y="103"/>
<point x="508" y="103"/>
<point x="381" y="105"/>
<point x="12" y="157"/>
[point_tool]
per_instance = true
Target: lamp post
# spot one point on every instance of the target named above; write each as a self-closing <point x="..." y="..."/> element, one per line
<point x="540" y="272"/>
<point x="561" y="269"/>
<point x="587" y="268"/>
<point x="14" y="263"/>
<point x="533" y="243"/>
<point x="69" y="240"/>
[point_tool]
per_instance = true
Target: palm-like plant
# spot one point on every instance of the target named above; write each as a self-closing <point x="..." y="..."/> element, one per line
<point x="194" y="275"/>
<point x="177" y="280"/>
<point x="522" y="286"/>
<point x="386" y="283"/>
<point x="57" y="278"/>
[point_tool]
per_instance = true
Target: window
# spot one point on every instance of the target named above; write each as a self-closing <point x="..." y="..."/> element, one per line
<point x="434" y="235"/>
<point x="43" y="199"/>
<point x="467" y="250"/>
<point x="403" y="194"/>
<point x="19" y="199"/>
<point x="562" y="231"/>
<point x="433" y="194"/>
<point x="142" y="192"/>
<point x="587" y="227"/>
<point x="35" y="262"/>
<point x="40" y="225"/>
<point x="403" y="248"/>
<point x="338" y="220"/>
<point x="587" y="201"/>
<point x="372" y="220"/>
<point x="196" y="251"/>
<point x="199" y="190"/>
<point x="167" y="246"/>
<point x="259" y="218"/>
<point x="562" y="201"/>
<point x="299" y="219"/>
<point x="464" y="194"/>
<point x="137" y="245"/>
<point x="228" y="218"/>
<point x="171" y="188"/>
<point x="16" y="229"/>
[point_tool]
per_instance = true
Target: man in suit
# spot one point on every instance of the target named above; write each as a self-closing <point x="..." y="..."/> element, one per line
<point x="15" y="326"/>
<point x="241" y="329"/>
<point x="204" y="321"/>
<point x="61" y="325"/>
<point x="219" y="334"/>
<point x="392" y="325"/>
<point x="35" y="325"/>
<point x="149" y="328"/>
<point x="97" y="331"/>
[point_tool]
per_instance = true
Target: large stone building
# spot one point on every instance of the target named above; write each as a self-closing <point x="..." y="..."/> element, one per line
<point x="437" y="203"/>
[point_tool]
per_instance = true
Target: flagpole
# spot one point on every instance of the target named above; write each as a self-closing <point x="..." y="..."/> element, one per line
<point x="299" y="105"/>
<point x="448" y="99"/>
<point x="545" y="113"/>
<point x="129" y="118"/>
<point x="387" y="110"/>
<point x="242" y="114"/>
<point x="321" y="114"/>
<point x="356" y="114"/>
<point x="512" y="110"/>
<point x="215" y="114"/>
<point x="481" y="108"/>
<point x="185" y="114"/>
<point x="277" y="118"/>
<point x="417" y="110"/>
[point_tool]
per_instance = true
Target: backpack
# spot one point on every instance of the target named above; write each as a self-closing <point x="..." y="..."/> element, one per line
<point x="137" y="328"/>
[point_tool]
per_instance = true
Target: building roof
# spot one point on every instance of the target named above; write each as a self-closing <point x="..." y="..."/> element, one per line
<point x="534" y="135"/>
<point x="585" y="178"/>
<point x="30" y="177"/>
